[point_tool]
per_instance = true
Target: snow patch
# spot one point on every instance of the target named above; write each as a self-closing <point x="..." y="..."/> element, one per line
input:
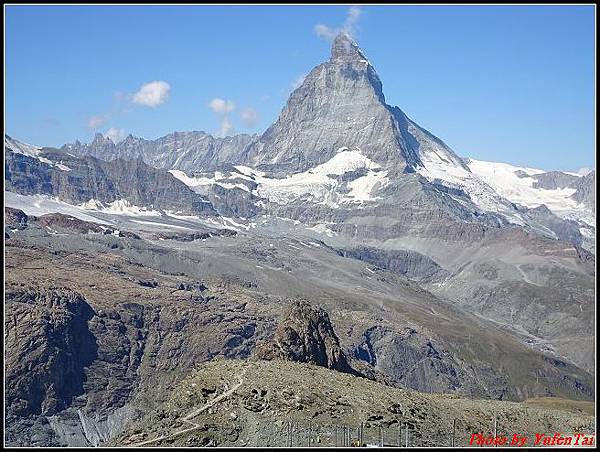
<point x="119" y="207"/>
<point x="37" y="205"/>
<point x="198" y="183"/>
<point x="321" y="183"/>
<point x="31" y="151"/>
<point x="503" y="178"/>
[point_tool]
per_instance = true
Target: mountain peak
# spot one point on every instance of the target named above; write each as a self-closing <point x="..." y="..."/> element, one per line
<point x="100" y="139"/>
<point x="344" y="48"/>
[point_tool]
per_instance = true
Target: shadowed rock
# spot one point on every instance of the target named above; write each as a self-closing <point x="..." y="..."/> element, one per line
<point x="48" y="345"/>
<point x="306" y="335"/>
<point x="586" y="191"/>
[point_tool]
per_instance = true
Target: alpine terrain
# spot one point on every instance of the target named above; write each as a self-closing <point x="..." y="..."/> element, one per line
<point x="344" y="267"/>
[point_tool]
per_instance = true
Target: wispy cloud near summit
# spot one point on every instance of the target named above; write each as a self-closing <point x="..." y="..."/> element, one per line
<point x="349" y="26"/>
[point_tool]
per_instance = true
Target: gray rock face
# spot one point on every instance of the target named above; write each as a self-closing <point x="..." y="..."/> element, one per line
<point x="89" y="178"/>
<point x="234" y="202"/>
<point x="51" y="344"/>
<point x="586" y="190"/>
<point x="411" y="264"/>
<point x="186" y="151"/>
<point x="340" y="104"/>
<point x="417" y="362"/>
<point x="566" y="230"/>
<point x="553" y="180"/>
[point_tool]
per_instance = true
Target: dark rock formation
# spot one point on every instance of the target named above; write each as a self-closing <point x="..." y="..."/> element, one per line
<point x="15" y="218"/>
<point x="191" y="236"/>
<point x="62" y="222"/>
<point x="306" y="335"/>
<point x="58" y="222"/>
<point x="50" y="346"/>
<point x="405" y="262"/>
<point x="411" y="359"/>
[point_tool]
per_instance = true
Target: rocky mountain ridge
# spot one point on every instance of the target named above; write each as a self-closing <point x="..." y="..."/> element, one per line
<point x="88" y="180"/>
<point x="187" y="151"/>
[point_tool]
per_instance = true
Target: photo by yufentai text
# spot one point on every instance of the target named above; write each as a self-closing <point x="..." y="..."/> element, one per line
<point x="539" y="439"/>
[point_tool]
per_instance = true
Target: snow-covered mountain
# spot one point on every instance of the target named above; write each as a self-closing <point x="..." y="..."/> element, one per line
<point x="337" y="145"/>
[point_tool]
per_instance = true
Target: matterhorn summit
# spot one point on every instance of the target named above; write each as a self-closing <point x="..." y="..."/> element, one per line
<point x="339" y="105"/>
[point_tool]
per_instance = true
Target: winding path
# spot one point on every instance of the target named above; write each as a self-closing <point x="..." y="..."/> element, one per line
<point x="196" y="412"/>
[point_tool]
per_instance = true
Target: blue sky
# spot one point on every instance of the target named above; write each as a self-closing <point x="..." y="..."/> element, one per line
<point x="504" y="83"/>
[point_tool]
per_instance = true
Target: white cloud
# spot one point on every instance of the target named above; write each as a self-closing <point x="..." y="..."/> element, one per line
<point x="221" y="106"/>
<point x="152" y="94"/>
<point x="96" y="121"/>
<point x="325" y="32"/>
<point x="250" y="117"/>
<point x="349" y="26"/>
<point x="115" y="134"/>
<point x="351" y="20"/>
<point x="226" y="127"/>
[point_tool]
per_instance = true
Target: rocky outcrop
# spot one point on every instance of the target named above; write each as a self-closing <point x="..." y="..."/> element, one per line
<point x="67" y="223"/>
<point x="413" y="360"/>
<point x="50" y="345"/>
<point x="191" y="236"/>
<point x="15" y="218"/>
<point x="306" y="335"/>
<point x="553" y="180"/>
<point x="409" y="263"/>
<point x="566" y="230"/>
<point x="61" y="223"/>
<point x="586" y="190"/>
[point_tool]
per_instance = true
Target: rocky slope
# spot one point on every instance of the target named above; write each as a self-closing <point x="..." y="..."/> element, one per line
<point x="158" y="308"/>
<point x="264" y="398"/>
<point x="58" y="223"/>
<point x="586" y="190"/>
<point x="58" y="344"/>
